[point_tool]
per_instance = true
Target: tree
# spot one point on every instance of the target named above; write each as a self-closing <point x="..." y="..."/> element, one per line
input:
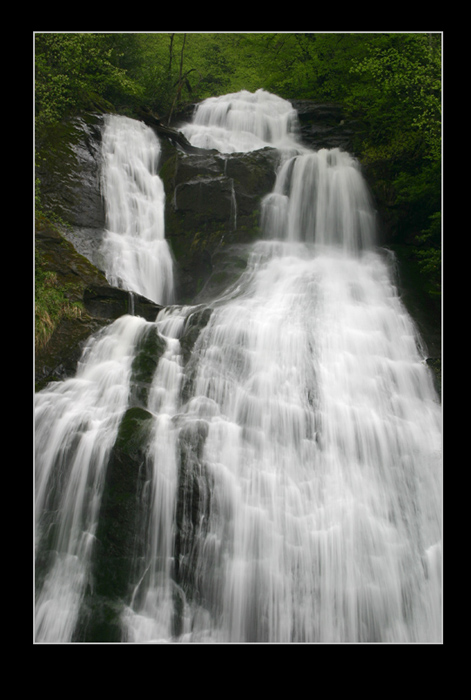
<point x="402" y="79"/>
<point x="74" y="70"/>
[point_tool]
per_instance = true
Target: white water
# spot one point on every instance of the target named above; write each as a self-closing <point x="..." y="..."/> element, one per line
<point x="312" y="430"/>
<point x="135" y="253"/>
<point x="242" y="121"/>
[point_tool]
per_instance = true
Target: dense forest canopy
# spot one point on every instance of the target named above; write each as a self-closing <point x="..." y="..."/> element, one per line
<point x="389" y="83"/>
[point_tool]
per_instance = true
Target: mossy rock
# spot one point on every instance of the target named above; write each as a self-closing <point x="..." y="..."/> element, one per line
<point x="118" y="516"/>
<point x="114" y="551"/>
<point x="148" y="353"/>
<point x="133" y="434"/>
<point x="99" y="620"/>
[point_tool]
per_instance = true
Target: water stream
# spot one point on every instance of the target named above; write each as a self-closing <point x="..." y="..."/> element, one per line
<point x="295" y="461"/>
<point x="135" y="253"/>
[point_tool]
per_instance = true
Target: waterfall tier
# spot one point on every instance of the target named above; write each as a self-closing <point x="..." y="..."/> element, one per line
<point x="135" y="253"/>
<point x="321" y="198"/>
<point x="242" y="122"/>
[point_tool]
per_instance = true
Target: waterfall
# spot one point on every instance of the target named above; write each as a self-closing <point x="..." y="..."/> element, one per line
<point x="293" y="489"/>
<point x="135" y="253"/>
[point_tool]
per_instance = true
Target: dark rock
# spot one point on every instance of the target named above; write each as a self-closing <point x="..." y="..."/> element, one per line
<point x="228" y="264"/>
<point x="208" y="199"/>
<point x="195" y="323"/>
<point x="324" y="125"/>
<point x="254" y="176"/>
<point x="99" y="621"/>
<point x="435" y="364"/>
<point x="148" y="353"/>
<point x="195" y="486"/>
<point x="326" y="113"/>
<point x="106" y="302"/>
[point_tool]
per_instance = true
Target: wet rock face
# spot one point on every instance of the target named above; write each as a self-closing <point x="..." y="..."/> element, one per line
<point x="117" y="539"/>
<point x="212" y="199"/>
<point x="323" y="125"/>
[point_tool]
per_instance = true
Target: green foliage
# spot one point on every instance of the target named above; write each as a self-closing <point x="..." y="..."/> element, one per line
<point x="73" y="71"/>
<point x="400" y="85"/>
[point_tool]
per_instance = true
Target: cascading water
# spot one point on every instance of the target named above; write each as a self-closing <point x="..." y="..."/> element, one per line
<point x="294" y="489"/>
<point x="321" y="198"/>
<point x="242" y="121"/>
<point x="135" y="253"/>
<point x="76" y="425"/>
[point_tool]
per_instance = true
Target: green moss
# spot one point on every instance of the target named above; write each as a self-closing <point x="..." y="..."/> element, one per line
<point x="168" y="171"/>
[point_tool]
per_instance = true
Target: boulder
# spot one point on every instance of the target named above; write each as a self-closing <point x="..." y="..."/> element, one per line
<point x="106" y="302"/>
<point x="212" y="199"/>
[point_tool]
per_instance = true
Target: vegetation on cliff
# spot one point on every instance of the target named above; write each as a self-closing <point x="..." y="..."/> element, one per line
<point x="52" y="300"/>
